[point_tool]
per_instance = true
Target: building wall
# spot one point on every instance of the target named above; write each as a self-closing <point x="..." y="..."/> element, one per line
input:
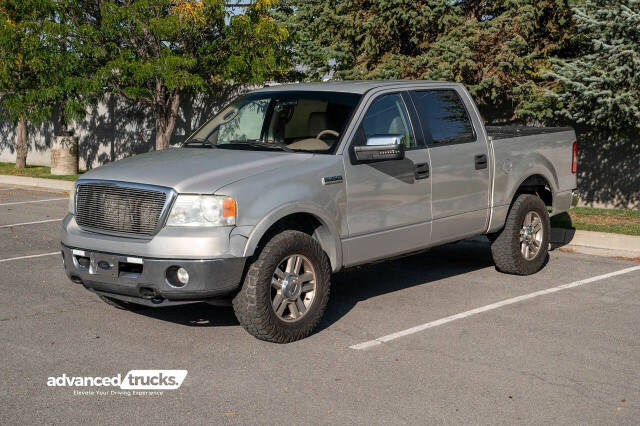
<point x="608" y="172"/>
<point x="114" y="129"/>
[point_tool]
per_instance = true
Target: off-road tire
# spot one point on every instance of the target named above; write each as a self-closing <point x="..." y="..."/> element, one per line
<point x="505" y="249"/>
<point x="121" y="304"/>
<point x="252" y="304"/>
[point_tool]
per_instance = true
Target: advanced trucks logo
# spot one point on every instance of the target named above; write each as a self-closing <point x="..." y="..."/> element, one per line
<point x="133" y="380"/>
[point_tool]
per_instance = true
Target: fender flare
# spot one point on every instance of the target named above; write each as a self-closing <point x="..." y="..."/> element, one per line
<point x="330" y="240"/>
<point x="544" y="169"/>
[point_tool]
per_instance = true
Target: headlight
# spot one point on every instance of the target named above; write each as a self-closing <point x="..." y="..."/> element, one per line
<point x="72" y="200"/>
<point x="202" y="210"/>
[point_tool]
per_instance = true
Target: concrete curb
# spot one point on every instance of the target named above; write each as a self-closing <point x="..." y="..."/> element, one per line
<point x="596" y="243"/>
<point x="47" y="184"/>
<point x="588" y="242"/>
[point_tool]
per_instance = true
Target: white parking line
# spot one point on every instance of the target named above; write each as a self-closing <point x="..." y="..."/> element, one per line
<point x="412" y="330"/>
<point x="8" y="189"/>
<point x="36" y="201"/>
<point x="30" y="223"/>
<point x="30" y="257"/>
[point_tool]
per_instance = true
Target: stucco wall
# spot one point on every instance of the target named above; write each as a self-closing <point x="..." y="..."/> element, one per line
<point x="112" y="130"/>
<point x="608" y="172"/>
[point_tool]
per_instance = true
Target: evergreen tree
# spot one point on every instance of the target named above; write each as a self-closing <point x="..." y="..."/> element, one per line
<point x="599" y="88"/>
<point x="496" y="47"/>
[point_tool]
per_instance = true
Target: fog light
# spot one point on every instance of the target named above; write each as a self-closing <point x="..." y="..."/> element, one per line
<point x="177" y="276"/>
<point x="183" y="276"/>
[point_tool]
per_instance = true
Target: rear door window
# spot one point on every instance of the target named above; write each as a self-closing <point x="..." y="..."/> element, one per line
<point x="446" y="117"/>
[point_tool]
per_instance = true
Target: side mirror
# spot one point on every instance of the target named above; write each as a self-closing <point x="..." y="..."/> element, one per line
<point x="381" y="148"/>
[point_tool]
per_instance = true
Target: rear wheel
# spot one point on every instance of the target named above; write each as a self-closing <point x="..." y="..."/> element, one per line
<point x="521" y="248"/>
<point x="285" y="290"/>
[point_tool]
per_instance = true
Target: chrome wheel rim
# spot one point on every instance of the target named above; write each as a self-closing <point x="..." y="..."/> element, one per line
<point x="293" y="288"/>
<point x="531" y="235"/>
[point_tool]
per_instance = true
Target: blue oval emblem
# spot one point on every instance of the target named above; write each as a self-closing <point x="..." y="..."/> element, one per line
<point x="103" y="264"/>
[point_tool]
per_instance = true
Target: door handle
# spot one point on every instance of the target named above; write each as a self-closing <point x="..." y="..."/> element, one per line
<point x="421" y="170"/>
<point x="481" y="161"/>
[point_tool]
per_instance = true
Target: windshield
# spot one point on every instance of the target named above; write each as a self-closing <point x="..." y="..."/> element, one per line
<point x="291" y="121"/>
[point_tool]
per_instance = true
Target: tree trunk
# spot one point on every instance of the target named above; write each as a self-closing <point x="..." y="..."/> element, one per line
<point x="165" y="115"/>
<point x="21" y="144"/>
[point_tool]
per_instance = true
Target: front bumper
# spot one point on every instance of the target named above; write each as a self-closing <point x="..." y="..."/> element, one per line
<point x="143" y="280"/>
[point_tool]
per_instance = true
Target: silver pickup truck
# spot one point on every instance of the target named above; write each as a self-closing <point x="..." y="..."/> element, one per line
<point x="289" y="184"/>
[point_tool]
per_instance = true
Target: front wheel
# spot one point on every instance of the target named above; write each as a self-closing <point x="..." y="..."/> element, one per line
<point x="285" y="290"/>
<point x="521" y="248"/>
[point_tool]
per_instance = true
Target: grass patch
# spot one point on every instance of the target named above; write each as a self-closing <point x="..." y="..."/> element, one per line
<point x="616" y="221"/>
<point x="34" y="171"/>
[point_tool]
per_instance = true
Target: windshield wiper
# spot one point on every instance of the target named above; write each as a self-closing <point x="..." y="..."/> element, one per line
<point x="259" y="144"/>
<point x="199" y="141"/>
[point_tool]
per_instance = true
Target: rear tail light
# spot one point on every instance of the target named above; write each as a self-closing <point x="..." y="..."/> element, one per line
<point x="574" y="158"/>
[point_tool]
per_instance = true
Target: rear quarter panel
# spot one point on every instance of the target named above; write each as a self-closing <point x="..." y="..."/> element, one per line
<point x="515" y="159"/>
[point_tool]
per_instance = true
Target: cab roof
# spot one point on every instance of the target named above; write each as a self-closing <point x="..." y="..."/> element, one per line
<point x="348" y="86"/>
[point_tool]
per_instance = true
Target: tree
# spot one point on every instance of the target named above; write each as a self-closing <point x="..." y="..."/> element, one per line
<point x="599" y="87"/>
<point x="26" y="66"/>
<point x="161" y="50"/>
<point x="74" y="40"/>
<point x="496" y="47"/>
<point x="596" y="89"/>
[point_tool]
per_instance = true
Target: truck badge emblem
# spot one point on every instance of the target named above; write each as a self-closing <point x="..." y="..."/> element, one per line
<point x="103" y="264"/>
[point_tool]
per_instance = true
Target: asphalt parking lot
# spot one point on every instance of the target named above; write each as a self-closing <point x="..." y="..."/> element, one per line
<point x="559" y="355"/>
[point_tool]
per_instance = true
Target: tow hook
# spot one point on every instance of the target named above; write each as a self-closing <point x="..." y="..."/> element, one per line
<point x="150" y="293"/>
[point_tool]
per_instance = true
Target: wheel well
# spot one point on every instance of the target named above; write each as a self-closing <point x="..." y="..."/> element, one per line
<point x="536" y="185"/>
<point x="309" y="224"/>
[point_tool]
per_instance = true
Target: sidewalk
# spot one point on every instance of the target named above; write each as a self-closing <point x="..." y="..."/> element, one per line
<point x="596" y="243"/>
<point x="40" y="183"/>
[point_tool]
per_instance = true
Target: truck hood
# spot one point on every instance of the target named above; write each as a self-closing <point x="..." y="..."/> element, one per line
<point x="194" y="170"/>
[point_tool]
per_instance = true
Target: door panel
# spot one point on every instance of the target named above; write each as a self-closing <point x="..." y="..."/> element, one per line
<point x="387" y="208"/>
<point x="386" y="194"/>
<point x="460" y="177"/>
<point x="457" y="186"/>
<point x="387" y="201"/>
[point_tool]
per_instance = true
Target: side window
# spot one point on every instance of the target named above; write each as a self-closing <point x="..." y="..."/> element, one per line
<point x="388" y="115"/>
<point x="445" y="115"/>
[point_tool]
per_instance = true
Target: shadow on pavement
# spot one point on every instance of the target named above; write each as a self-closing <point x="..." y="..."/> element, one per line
<point x="562" y="230"/>
<point x="359" y="284"/>
<point x="195" y="315"/>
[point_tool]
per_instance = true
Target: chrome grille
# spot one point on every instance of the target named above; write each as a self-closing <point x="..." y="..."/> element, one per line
<point x="118" y="208"/>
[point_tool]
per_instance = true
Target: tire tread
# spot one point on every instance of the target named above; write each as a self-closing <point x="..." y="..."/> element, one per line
<point x="256" y="316"/>
<point x="505" y="248"/>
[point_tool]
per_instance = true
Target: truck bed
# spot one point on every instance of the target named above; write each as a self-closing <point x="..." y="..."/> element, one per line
<point x="523" y="151"/>
<point x="504" y="132"/>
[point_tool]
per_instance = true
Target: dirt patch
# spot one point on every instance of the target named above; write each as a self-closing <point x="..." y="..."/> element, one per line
<point x="632" y="259"/>
<point x="602" y="219"/>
